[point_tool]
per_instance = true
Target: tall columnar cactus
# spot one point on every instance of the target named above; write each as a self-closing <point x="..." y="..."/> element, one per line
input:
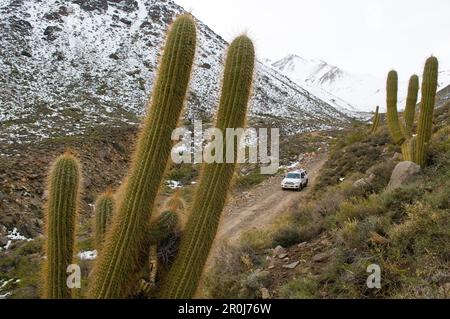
<point x="424" y="130"/>
<point x="391" y="105"/>
<point x="411" y="101"/>
<point x="376" y="120"/>
<point x="61" y="210"/>
<point x="104" y="207"/>
<point x="118" y="262"/>
<point x="184" y="276"/>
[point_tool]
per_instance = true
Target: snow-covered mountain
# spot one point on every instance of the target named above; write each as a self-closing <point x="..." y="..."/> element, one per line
<point x="335" y="86"/>
<point x="66" y="66"/>
<point x="340" y="88"/>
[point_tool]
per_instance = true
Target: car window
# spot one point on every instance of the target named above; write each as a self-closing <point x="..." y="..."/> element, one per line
<point x="293" y="175"/>
<point x="303" y="175"/>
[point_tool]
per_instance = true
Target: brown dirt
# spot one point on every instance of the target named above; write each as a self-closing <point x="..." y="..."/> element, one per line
<point x="258" y="208"/>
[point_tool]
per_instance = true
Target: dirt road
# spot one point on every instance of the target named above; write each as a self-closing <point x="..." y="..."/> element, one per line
<point x="258" y="207"/>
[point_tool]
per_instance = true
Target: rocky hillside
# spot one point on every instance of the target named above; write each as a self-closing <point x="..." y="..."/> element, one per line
<point x="66" y="66"/>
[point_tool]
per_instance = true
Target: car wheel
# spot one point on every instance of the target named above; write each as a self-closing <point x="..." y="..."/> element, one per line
<point x="306" y="184"/>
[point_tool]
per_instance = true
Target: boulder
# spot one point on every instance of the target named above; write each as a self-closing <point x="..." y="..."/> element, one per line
<point x="278" y="250"/>
<point x="404" y="173"/>
<point x="320" y="257"/>
<point x="291" y="265"/>
<point x="364" y="182"/>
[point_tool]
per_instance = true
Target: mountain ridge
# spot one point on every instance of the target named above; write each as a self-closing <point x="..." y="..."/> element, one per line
<point x="66" y="66"/>
<point x="340" y="88"/>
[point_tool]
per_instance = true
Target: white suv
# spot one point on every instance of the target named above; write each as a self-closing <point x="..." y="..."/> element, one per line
<point x="295" y="180"/>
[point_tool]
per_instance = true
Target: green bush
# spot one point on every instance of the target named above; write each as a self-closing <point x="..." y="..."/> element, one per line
<point x="357" y="208"/>
<point x="235" y="274"/>
<point x="424" y="231"/>
<point x="394" y="201"/>
<point x="183" y="172"/>
<point x="287" y="236"/>
<point x="299" y="288"/>
<point x="256" y="239"/>
<point x="247" y="181"/>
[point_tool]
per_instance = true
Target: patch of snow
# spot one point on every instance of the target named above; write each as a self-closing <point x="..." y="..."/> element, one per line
<point x="174" y="184"/>
<point x="14" y="235"/>
<point x="87" y="255"/>
<point x="4" y="296"/>
<point x="293" y="165"/>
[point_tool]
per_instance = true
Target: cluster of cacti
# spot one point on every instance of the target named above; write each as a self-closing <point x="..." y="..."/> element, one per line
<point x="63" y="191"/>
<point x="413" y="148"/>
<point x="184" y="276"/>
<point x="126" y="241"/>
<point x="376" y="120"/>
<point x="116" y="267"/>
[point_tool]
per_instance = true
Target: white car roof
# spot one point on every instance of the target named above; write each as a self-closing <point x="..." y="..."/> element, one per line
<point x="297" y="171"/>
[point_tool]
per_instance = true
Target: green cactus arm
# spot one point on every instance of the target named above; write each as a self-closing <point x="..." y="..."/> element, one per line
<point x="184" y="276"/>
<point x="104" y="207"/>
<point x="114" y="271"/>
<point x="424" y="129"/>
<point x="391" y="105"/>
<point x="408" y="149"/>
<point x="159" y="230"/>
<point x="162" y="227"/>
<point x="411" y="101"/>
<point x="60" y="214"/>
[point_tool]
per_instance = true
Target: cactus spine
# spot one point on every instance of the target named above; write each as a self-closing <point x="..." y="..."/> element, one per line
<point x="104" y="207"/>
<point x="391" y="105"/>
<point x="184" y="276"/>
<point x="411" y="101"/>
<point x="376" y="120"/>
<point x="61" y="209"/>
<point x="424" y="130"/>
<point x="118" y="263"/>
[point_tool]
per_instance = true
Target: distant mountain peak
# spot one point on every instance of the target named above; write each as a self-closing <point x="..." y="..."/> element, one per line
<point x="341" y="88"/>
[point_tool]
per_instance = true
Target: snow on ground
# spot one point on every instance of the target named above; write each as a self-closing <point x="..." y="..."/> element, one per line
<point x="87" y="255"/>
<point x="98" y="66"/>
<point x="174" y="184"/>
<point x="14" y="235"/>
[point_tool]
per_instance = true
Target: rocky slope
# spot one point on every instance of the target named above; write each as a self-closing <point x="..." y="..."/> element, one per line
<point x="66" y="66"/>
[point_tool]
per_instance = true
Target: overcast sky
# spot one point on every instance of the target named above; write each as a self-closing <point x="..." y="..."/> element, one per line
<point x="360" y="36"/>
